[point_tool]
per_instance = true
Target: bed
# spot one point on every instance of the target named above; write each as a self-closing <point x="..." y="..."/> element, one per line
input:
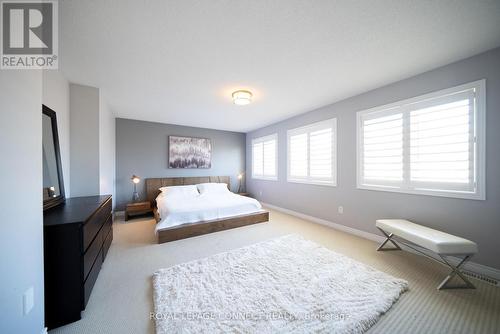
<point x="179" y="218"/>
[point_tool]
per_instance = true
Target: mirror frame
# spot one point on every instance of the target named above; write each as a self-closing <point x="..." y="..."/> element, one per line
<point x="52" y="202"/>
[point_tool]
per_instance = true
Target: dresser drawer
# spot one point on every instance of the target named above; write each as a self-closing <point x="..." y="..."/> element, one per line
<point x="107" y="226"/>
<point x="94" y="223"/>
<point x="107" y="244"/>
<point x="91" y="278"/>
<point x="91" y="254"/>
<point x="93" y="250"/>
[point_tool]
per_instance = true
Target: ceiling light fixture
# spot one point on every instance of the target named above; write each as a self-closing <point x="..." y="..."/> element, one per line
<point x="242" y="97"/>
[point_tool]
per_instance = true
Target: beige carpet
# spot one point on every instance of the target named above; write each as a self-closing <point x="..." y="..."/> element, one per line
<point x="121" y="301"/>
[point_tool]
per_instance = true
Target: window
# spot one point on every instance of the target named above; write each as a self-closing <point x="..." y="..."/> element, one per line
<point x="312" y="153"/>
<point x="264" y="157"/>
<point x="432" y="144"/>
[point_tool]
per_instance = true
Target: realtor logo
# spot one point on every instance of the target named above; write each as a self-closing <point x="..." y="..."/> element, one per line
<point x="29" y="35"/>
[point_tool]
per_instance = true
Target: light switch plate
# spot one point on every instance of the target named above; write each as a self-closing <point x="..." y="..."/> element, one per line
<point x="28" y="300"/>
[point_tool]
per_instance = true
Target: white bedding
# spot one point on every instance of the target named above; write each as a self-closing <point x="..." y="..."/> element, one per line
<point x="177" y="210"/>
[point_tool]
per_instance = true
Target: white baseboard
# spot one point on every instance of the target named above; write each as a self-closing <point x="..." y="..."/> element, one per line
<point x="340" y="227"/>
<point x="469" y="266"/>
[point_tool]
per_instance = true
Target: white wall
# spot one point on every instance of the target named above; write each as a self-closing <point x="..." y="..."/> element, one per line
<point x="21" y="225"/>
<point x="106" y="149"/>
<point x="84" y="140"/>
<point x="86" y="135"/>
<point x="92" y="143"/>
<point x="55" y="95"/>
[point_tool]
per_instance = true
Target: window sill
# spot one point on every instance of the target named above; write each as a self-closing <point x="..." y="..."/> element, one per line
<point x="315" y="183"/>
<point x="437" y="193"/>
<point x="265" y="178"/>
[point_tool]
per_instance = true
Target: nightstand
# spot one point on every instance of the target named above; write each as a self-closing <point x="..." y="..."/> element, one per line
<point x="137" y="208"/>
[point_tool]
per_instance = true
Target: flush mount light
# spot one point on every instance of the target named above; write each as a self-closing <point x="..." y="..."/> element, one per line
<point x="242" y="97"/>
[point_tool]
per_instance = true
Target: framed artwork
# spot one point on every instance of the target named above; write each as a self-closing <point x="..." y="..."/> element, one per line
<point x="189" y="152"/>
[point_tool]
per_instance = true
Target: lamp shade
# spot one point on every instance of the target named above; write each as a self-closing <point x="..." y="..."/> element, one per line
<point x="135" y="179"/>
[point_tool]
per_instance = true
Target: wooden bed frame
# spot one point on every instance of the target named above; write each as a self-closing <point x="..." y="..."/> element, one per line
<point x="193" y="229"/>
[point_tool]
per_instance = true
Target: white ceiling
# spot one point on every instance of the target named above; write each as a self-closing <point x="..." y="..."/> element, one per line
<point x="178" y="61"/>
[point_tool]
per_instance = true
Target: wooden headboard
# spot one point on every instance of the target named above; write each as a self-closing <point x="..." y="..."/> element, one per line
<point x="152" y="185"/>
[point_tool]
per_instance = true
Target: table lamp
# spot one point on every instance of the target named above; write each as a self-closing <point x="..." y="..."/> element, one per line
<point x="135" y="179"/>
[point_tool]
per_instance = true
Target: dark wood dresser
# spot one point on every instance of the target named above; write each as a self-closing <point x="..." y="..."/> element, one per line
<point x="76" y="237"/>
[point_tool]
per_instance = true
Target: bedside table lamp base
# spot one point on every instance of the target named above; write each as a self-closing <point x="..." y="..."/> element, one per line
<point x="135" y="196"/>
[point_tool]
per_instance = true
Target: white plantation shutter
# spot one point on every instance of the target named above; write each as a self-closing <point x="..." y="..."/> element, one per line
<point x="312" y="153"/>
<point x="298" y="155"/>
<point x="264" y="157"/>
<point x="258" y="159"/>
<point x="270" y="158"/>
<point x="442" y="144"/>
<point x="426" y="145"/>
<point x="321" y="154"/>
<point x="383" y="148"/>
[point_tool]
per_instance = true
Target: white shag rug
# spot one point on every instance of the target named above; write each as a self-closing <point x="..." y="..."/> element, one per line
<point x="286" y="285"/>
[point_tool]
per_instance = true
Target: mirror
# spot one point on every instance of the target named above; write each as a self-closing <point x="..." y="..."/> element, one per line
<point x="53" y="184"/>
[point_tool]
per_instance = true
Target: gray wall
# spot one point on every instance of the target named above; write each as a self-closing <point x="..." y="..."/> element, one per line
<point x="84" y="140"/>
<point x="475" y="220"/>
<point x="21" y="228"/>
<point x="141" y="149"/>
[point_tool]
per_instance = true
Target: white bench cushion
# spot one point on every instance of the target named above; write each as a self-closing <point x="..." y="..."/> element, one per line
<point x="436" y="241"/>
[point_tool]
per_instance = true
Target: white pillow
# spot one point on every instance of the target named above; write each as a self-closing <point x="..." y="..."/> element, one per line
<point x="181" y="191"/>
<point x="212" y="188"/>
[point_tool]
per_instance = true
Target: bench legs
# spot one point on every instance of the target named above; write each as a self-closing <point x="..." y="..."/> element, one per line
<point x="389" y="239"/>
<point x="455" y="270"/>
